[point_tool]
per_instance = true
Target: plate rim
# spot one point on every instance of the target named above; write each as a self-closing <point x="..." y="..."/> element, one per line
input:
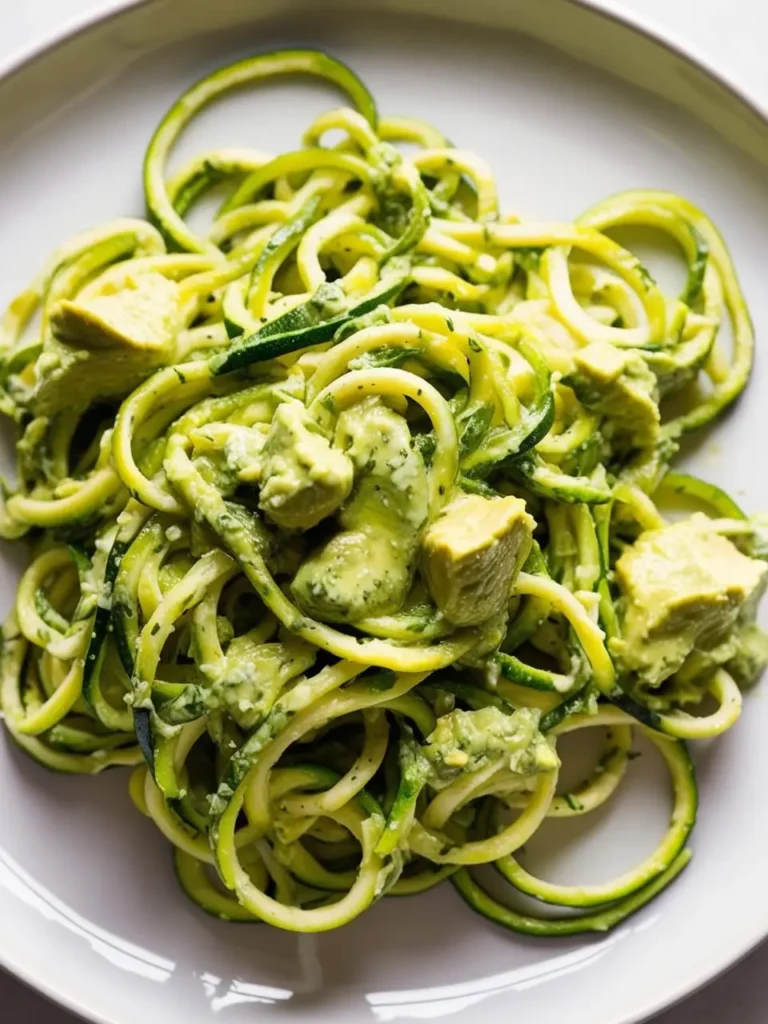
<point x="648" y="28"/>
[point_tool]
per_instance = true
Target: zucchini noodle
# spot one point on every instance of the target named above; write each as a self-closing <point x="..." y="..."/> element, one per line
<point x="344" y="509"/>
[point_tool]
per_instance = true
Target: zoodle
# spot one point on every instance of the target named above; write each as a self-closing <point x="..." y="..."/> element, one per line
<point x="342" y="511"/>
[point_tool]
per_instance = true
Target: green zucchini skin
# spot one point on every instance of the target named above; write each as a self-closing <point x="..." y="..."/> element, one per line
<point x="645" y="716"/>
<point x="67" y="762"/>
<point x="600" y="922"/>
<point x="73" y="740"/>
<point x="503" y="447"/>
<point x="607" y="895"/>
<point x="516" y="671"/>
<point x="142" y="724"/>
<point x="551" y="719"/>
<point x="190" y="874"/>
<point x="691" y="486"/>
<point x="557" y="486"/>
<point x="103" y="617"/>
<point x="281" y="336"/>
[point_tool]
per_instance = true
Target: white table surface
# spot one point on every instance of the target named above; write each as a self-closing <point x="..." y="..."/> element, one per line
<point x="732" y="34"/>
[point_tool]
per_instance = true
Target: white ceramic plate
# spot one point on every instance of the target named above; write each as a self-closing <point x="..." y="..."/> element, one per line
<point x="89" y="909"/>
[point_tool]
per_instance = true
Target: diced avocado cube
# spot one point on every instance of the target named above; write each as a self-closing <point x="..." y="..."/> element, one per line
<point x="367" y="569"/>
<point x="684" y="587"/>
<point x="619" y="385"/>
<point x="143" y="314"/>
<point x="304" y="479"/>
<point x="392" y="482"/>
<point x="103" y="347"/>
<point x="470" y="740"/>
<point x="254" y="675"/>
<point x="472" y="554"/>
<point x="358" y="573"/>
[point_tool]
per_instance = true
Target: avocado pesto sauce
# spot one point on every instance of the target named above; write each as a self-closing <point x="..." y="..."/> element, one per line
<point x="344" y="511"/>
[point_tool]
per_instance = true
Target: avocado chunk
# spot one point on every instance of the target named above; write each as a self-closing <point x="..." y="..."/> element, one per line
<point x="368" y="567"/>
<point x="619" y="385"/>
<point x="356" y="574"/>
<point x="392" y="480"/>
<point x="103" y="347"/>
<point x="304" y="479"/>
<point x="472" y="553"/>
<point x="684" y="588"/>
<point x="466" y="741"/>
<point x="254" y="675"/>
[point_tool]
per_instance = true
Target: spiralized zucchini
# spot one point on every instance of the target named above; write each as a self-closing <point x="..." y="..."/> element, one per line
<point x="344" y="510"/>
